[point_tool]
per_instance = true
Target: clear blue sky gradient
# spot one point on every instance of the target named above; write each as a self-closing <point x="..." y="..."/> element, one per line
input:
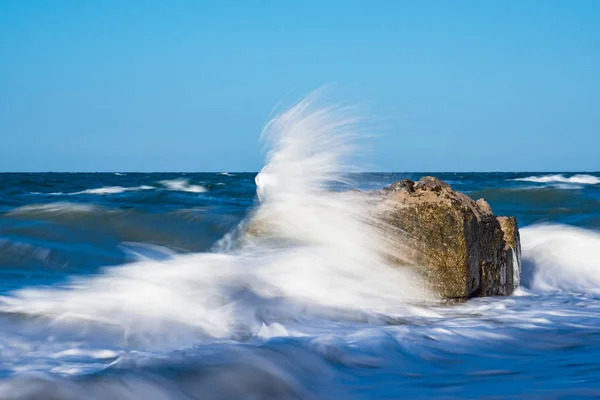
<point x="187" y="85"/>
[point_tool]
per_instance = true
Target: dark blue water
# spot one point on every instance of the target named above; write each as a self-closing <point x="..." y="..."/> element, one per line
<point x="75" y="323"/>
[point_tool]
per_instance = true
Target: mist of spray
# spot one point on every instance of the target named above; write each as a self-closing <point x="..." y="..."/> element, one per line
<point x="324" y="253"/>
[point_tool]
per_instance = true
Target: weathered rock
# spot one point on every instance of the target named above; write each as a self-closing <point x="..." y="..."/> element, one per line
<point x="457" y="244"/>
<point x="432" y="183"/>
<point x="405" y="185"/>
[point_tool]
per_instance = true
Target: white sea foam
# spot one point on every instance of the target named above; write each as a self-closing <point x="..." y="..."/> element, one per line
<point x="74" y="352"/>
<point x="329" y="256"/>
<point x="561" y="258"/>
<point x="182" y="185"/>
<point x="580" y="179"/>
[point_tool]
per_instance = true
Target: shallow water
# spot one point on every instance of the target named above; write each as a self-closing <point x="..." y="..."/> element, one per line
<point x="130" y="286"/>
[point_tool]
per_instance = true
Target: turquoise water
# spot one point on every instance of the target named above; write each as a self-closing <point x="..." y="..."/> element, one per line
<point x="127" y="286"/>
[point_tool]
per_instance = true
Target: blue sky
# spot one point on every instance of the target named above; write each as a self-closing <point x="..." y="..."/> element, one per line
<point x="187" y="85"/>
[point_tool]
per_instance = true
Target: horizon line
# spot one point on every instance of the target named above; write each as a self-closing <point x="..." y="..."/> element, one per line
<point x="256" y="172"/>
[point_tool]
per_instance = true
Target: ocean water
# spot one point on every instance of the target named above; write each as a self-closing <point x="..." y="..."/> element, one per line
<point x="144" y="286"/>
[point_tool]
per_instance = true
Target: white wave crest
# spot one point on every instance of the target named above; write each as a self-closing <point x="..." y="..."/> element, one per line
<point x="329" y="257"/>
<point x="101" y="191"/>
<point x="113" y="190"/>
<point x="182" y="185"/>
<point x="580" y="179"/>
<point x="561" y="258"/>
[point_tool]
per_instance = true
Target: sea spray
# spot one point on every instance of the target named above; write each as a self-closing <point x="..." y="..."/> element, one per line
<point x="329" y="258"/>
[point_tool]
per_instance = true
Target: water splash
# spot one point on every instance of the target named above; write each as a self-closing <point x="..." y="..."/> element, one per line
<point x="324" y="255"/>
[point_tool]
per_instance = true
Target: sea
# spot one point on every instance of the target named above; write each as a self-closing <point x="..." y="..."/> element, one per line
<point x="146" y="286"/>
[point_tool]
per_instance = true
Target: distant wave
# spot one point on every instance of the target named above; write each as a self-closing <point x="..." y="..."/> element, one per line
<point x="114" y="190"/>
<point x="180" y="185"/>
<point x="101" y="191"/>
<point x="226" y="174"/>
<point x="188" y="230"/>
<point x="558" y="178"/>
<point x="183" y="185"/>
<point x="104" y="190"/>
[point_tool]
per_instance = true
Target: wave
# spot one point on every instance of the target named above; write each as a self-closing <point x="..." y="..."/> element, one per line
<point x="101" y="191"/>
<point x="189" y="230"/>
<point x="558" y="178"/>
<point x="235" y="373"/>
<point x="113" y="190"/>
<point x="536" y="197"/>
<point x="561" y="258"/>
<point x="182" y="185"/>
<point x="325" y="256"/>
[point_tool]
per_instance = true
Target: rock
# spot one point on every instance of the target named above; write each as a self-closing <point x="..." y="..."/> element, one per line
<point x="405" y="185"/>
<point x="432" y="183"/>
<point x="484" y="206"/>
<point x="457" y="244"/>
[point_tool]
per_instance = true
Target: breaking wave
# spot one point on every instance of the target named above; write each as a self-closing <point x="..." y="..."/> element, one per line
<point x="182" y="185"/>
<point x="561" y="258"/>
<point x="102" y="191"/>
<point x="114" y="190"/>
<point x="324" y="255"/>
<point x="559" y="178"/>
<point x="178" y="185"/>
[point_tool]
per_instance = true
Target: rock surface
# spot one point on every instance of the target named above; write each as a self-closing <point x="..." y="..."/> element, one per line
<point x="456" y="243"/>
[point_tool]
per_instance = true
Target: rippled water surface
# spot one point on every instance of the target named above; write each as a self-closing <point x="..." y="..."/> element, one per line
<point x="131" y="286"/>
